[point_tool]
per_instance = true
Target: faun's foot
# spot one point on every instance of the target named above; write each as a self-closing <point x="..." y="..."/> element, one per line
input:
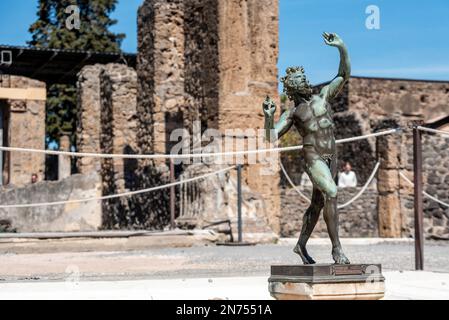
<point x="302" y="252"/>
<point x="339" y="256"/>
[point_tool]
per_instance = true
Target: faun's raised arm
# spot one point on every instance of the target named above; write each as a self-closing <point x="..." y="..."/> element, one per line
<point x="344" y="70"/>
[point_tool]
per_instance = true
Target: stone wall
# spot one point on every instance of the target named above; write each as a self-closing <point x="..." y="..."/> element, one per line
<point x="357" y="220"/>
<point x="390" y="103"/>
<point x="436" y="183"/>
<point x="24" y="126"/>
<point x="84" y="216"/>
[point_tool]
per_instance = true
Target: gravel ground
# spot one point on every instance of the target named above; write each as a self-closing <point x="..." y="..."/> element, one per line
<point x="208" y="261"/>
<point x="256" y="260"/>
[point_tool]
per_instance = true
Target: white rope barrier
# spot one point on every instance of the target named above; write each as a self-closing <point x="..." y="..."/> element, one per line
<point x="444" y="133"/>
<point x="120" y="195"/>
<point x="183" y="156"/>
<point x="425" y="193"/>
<point x="370" y="179"/>
<point x="156" y="156"/>
<point x="376" y="134"/>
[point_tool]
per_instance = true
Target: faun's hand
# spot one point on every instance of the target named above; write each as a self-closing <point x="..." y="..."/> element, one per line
<point x="269" y="107"/>
<point x="332" y="39"/>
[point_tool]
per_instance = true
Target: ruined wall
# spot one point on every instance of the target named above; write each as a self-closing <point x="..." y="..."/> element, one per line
<point x="212" y="62"/>
<point x="24" y="118"/>
<point x="398" y="99"/>
<point x="84" y="216"/>
<point x="389" y="103"/>
<point x="109" y="122"/>
<point x="356" y="220"/>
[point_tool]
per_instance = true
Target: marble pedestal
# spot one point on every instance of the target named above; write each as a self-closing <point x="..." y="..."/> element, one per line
<point x="327" y="282"/>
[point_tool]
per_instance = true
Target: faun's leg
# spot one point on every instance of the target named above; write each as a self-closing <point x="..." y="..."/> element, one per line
<point x="309" y="221"/>
<point x="323" y="179"/>
<point x="331" y="218"/>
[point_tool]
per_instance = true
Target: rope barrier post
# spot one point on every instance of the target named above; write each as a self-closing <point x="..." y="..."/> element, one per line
<point x="172" y="195"/>
<point x="418" y="196"/>
<point x="239" y="202"/>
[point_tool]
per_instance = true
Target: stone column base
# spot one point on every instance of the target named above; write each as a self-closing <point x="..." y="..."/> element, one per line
<point x="327" y="282"/>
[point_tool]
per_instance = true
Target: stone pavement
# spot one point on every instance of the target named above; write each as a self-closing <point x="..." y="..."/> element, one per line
<point x="119" y="262"/>
<point x="135" y="269"/>
<point x="399" y="285"/>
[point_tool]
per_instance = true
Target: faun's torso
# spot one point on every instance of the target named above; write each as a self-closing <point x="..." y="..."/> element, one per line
<point x="314" y="122"/>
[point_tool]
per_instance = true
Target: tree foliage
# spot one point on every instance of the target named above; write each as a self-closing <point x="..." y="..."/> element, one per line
<point x="51" y="31"/>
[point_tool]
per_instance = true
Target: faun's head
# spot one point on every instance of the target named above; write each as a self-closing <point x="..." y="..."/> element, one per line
<point x="296" y="85"/>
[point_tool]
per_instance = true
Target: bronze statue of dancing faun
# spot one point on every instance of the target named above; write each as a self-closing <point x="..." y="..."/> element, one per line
<point x="312" y="117"/>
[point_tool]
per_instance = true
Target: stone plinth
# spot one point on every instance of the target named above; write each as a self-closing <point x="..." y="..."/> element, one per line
<point x="75" y="217"/>
<point x="327" y="282"/>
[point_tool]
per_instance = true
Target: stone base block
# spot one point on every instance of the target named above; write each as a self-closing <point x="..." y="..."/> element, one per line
<point x="327" y="282"/>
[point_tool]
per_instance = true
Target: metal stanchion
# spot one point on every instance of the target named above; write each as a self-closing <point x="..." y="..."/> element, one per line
<point x="239" y="202"/>
<point x="418" y="190"/>
<point x="239" y="241"/>
<point x="172" y="195"/>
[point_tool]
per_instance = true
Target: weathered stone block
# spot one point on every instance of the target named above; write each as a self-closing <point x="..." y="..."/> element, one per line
<point x="83" y="216"/>
<point x="388" y="181"/>
<point x="389" y="216"/>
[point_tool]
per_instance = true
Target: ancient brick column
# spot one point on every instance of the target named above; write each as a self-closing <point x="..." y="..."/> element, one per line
<point x="88" y="117"/>
<point x="161" y="72"/>
<point x="388" y="184"/>
<point x="248" y="54"/>
<point x="118" y="91"/>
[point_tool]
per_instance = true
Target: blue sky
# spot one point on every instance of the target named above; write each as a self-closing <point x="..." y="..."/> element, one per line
<point x="412" y="41"/>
